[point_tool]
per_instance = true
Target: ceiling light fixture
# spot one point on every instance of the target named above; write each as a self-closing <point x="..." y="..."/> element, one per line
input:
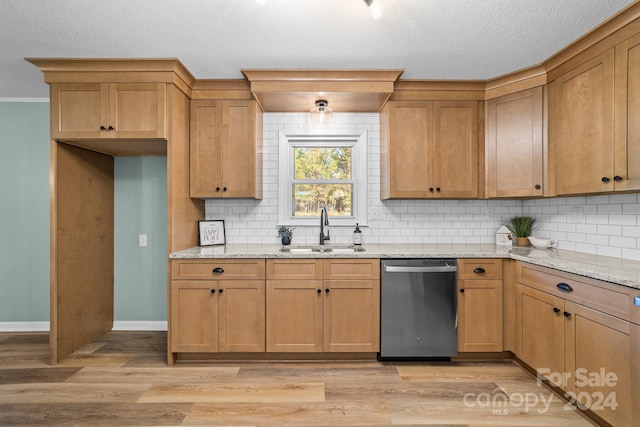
<point x="375" y="8"/>
<point x="321" y="113"/>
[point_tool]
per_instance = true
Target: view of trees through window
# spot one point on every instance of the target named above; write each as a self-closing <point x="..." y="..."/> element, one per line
<point x="322" y="176"/>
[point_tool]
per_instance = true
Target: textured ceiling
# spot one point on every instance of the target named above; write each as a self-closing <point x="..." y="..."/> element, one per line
<point x="215" y="39"/>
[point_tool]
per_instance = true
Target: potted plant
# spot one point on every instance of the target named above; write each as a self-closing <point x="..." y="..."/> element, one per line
<point x="522" y="227"/>
<point x="285" y="233"/>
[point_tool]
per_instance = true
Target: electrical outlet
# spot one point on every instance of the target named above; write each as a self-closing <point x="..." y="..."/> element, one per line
<point x="375" y="213"/>
<point x="575" y="216"/>
<point x="142" y="240"/>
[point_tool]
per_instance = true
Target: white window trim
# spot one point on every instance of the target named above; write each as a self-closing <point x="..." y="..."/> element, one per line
<point x="289" y="138"/>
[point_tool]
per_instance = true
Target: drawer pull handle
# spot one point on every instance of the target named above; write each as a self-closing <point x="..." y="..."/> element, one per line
<point x="567" y="314"/>
<point x="218" y="270"/>
<point x="213" y="291"/>
<point x="556" y="310"/>
<point x="564" y="287"/>
<point x="479" y="270"/>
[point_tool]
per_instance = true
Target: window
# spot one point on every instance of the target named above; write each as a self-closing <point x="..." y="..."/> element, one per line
<point x="322" y="169"/>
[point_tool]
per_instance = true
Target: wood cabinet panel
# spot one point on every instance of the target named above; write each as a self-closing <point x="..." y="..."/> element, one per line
<point x="225" y="269"/>
<point x="583" y="131"/>
<point x="480" y="315"/>
<point x="79" y="109"/>
<point x="352" y="268"/>
<point x="290" y="269"/>
<point x="194" y="316"/>
<point x="627" y="112"/>
<point x="294" y="315"/>
<point x="241" y="312"/>
<point x="226" y="149"/>
<point x="137" y="110"/>
<point x="352" y="316"/>
<point x="479" y="268"/>
<point x="514" y="146"/>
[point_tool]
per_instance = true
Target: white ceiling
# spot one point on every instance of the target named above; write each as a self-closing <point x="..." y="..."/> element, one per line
<point x="215" y="39"/>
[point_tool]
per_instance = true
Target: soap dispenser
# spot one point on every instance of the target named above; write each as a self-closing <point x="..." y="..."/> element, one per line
<point x="357" y="236"/>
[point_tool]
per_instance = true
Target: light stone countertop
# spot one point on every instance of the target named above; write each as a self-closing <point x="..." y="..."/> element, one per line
<point x="614" y="270"/>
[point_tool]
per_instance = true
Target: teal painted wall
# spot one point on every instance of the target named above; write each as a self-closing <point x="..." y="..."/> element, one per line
<point x="140" y="290"/>
<point x="24" y="211"/>
<point x="140" y="208"/>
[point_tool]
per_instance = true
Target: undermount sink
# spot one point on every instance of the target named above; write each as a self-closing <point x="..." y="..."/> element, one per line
<point x="322" y="249"/>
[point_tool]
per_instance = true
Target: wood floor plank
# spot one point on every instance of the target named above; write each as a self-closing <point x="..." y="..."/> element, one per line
<point x="37" y="375"/>
<point x="161" y="375"/>
<point x="71" y="393"/>
<point x="324" y="372"/>
<point x="234" y="392"/>
<point x="94" y="414"/>
<point x="459" y="372"/>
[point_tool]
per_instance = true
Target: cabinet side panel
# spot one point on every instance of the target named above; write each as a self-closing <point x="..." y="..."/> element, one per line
<point x="82" y="273"/>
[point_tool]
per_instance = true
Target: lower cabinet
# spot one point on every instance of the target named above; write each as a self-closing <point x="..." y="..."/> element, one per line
<point x="583" y="351"/>
<point x="330" y="306"/>
<point x="480" y="305"/>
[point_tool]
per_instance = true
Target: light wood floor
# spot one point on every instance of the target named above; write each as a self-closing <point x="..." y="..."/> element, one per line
<point x="123" y="380"/>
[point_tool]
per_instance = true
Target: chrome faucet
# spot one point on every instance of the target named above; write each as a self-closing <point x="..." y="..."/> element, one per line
<point x="324" y="220"/>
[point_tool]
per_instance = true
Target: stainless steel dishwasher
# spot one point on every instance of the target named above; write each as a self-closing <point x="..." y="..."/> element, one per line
<point x="418" y="309"/>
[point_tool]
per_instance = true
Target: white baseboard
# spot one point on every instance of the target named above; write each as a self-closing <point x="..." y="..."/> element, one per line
<point x="140" y="325"/>
<point x="24" y="326"/>
<point x="118" y="325"/>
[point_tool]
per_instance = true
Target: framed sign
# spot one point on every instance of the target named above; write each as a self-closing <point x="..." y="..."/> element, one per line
<point x="211" y="233"/>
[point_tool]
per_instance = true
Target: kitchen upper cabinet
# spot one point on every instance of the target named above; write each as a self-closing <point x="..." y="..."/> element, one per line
<point x="514" y="146"/>
<point x="226" y="153"/>
<point x="429" y="149"/>
<point x="627" y="114"/>
<point x="480" y="305"/>
<point x="582" y="127"/>
<point x="108" y="110"/>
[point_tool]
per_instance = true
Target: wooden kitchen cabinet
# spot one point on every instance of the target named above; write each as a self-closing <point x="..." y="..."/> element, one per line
<point x="108" y="110"/>
<point x="429" y="149"/>
<point x="514" y="146"/>
<point x="335" y="308"/>
<point x="217" y="306"/>
<point x="480" y="305"/>
<point x="576" y="332"/>
<point x="582" y="131"/>
<point x="226" y="152"/>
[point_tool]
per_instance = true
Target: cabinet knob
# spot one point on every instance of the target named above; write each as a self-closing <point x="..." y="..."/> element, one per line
<point x="431" y="189"/>
<point x="218" y="270"/>
<point x="479" y="270"/>
<point x="220" y="291"/>
<point x="327" y="290"/>
<point x="564" y="287"/>
<point x="224" y="188"/>
<point x="617" y="178"/>
<point x="217" y="188"/>
<point x="103" y="128"/>
<point x="462" y="291"/>
<point x="605" y="179"/>
<point x="213" y="291"/>
<point x="566" y="314"/>
<point x="438" y="189"/>
<point x="110" y="127"/>
<point x="319" y="291"/>
<point x="538" y="186"/>
<point x="556" y="310"/>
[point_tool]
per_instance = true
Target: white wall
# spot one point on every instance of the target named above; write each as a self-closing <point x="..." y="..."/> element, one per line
<point x="611" y="225"/>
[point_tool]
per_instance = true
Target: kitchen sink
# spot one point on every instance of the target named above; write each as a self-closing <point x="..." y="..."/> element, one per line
<point x="322" y="249"/>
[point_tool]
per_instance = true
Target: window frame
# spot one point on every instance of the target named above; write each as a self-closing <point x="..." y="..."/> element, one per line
<point x="288" y="140"/>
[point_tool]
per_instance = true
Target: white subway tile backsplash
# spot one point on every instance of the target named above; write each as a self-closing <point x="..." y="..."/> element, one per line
<point x="610" y="223"/>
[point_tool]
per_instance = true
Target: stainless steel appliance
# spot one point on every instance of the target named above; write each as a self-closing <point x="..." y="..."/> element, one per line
<point x="418" y="308"/>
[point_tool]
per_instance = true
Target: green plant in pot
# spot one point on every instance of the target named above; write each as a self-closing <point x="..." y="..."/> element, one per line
<point x="522" y="227"/>
<point x="285" y="234"/>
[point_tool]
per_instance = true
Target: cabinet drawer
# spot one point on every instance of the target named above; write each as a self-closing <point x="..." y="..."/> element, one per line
<point x="228" y="269"/>
<point x="351" y="269"/>
<point x="294" y="269"/>
<point x="595" y="294"/>
<point x="479" y="268"/>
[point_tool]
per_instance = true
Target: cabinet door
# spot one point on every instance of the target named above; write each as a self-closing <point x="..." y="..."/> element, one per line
<point x="583" y="128"/>
<point x="239" y="149"/>
<point x="514" y="145"/>
<point x="480" y="315"/>
<point x="294" y="315"/>
<point x="205" y="143"/>
<point x="540" y="329"/>
<point x="627" y="125"/>
<point x="194" y="316"/>
<point x="241" y="309"/>
<point x="137" y="110"/>
<point x="409" y="158"/>
<point x="352" y="315"/>
<point x="598" y="360"/>
<point x="455" y="151"/>
<point x="79" y="110"/>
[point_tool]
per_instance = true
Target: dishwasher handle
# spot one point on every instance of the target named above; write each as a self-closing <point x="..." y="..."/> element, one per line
<point x="421" y="269"/>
